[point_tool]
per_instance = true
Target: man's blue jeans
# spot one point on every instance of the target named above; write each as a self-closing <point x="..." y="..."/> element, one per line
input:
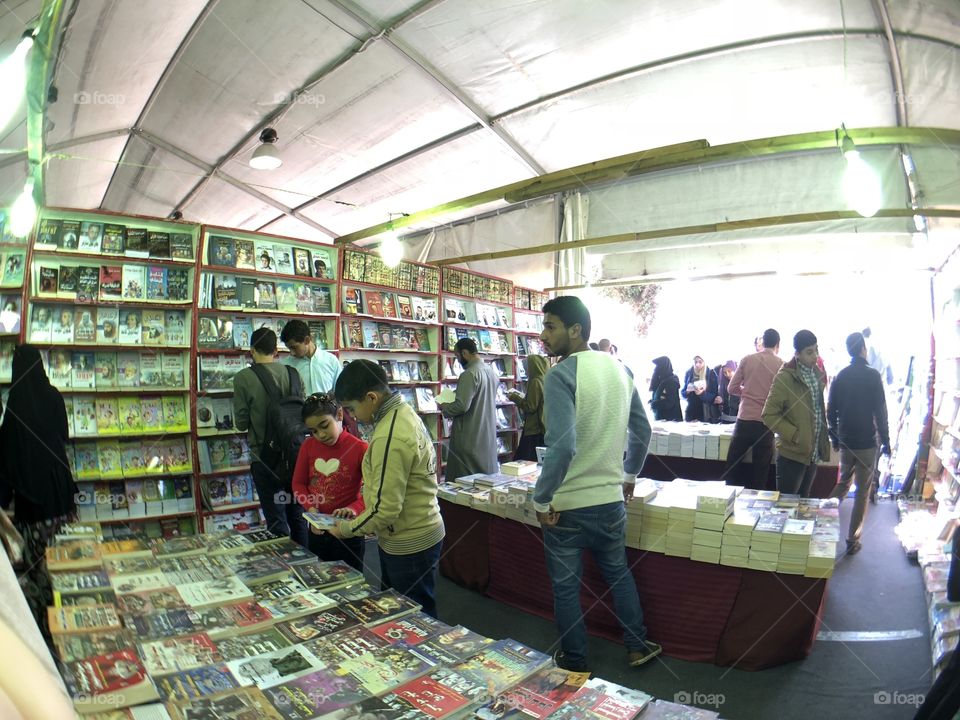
<point x="413" y="575"/>
<point x="601" y="530"/>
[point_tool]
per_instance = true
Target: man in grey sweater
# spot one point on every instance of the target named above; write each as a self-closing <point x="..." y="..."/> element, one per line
<point x="593" y="414"/>
<point x="284" y="516"/>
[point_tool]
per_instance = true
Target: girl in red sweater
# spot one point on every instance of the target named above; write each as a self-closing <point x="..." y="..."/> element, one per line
<point x="327" y="478"/>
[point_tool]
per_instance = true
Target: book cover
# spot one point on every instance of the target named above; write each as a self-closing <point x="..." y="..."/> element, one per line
<point x="175" y="414"/>
<point x="136" y="244"/>
<point x="84" y="327"/>
<point x="172" y="372"/>
<point x="61" y="332"/>
<point x="41" y="324"/>
<point x="321" y="299"/>
<point x="179" y="287"/>
<point x="113" y="239"/>
<point x="374" y="303"/>
<point x="48" y="234"/>
<point x="252" y="644"/>
<point x="385" y="668"/>
<point x="266" y="261"/>
<point x="314" y="695"/>
<point x="70" y="234"/>
<point x="315" y="626"/>
<point x="156" y="282"/>
<point x="60" y="369"/>
<point x="242" y="331"/>
<point x="12" y="267"/>
<point x="177" y="654"/>
<point x="275" y="667"/>
<point x="80" y="555"/>
<point x="173" y="331"/>
<point x="153" y="327"/>
<point x="287" y="297"/>
<point x="411" y="630"/>
<point x="225" y="294"/>
<point x="134" y="281"/>
<point x="440" y="694"/>
<point x="537" y="696"/>
<point x="83" y="619"/>
<point x="116" y="679"/>
<point x="151" y="414"/>
<point x="266" y="295"/>
<point x="131" y="419"/>
<point x="245" y="255"/>
<point x="222" y="251"/>
<point x="91" y="237"/>
<point x="380" y="607"/>
<point x="111" y="283"/>
<point x="195" y="683"/>
<point x="80" y="581"/>
<point x="128" y="369"/>
<point x="84" y="417"/>
<point x="323" y="262"/>
<point x="216" y="591"/>
<point x="107" y="321"/>
<point x="158" y="244"/>
<point x="323" y="575"/>
<point x="83" y="373"/>
<point x="67" y="282"/>
<point x="301" y="262"/>
<point x="84" y="645"/>
<point x="130" y="327"/>
<point x="131" y="458"/>
<point x="85" y="459"/>
<point x="181" y="246"/>
<point x="134" y="565"/>
<point x="352" y="301"/>
<point x="502" y="664"/>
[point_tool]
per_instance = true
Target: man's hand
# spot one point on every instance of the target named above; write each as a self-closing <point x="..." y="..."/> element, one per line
<point x="718" y="400"/>
<point x="885" y="450"/>
<point x="335" y="532"/>
<point x="628" y="488"/>
<point x="548" y="519"/>
<point x="344" y="512"/>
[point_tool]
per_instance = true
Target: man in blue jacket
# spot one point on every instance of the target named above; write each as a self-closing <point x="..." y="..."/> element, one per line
<point x="592" y="413"/>
<point x="856" y="416"/>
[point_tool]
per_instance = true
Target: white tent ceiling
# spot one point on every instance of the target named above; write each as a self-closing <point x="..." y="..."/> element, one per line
<point x="391" y="106"/>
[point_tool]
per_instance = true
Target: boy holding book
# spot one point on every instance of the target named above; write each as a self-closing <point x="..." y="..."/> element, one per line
<point x="399" y="485"/>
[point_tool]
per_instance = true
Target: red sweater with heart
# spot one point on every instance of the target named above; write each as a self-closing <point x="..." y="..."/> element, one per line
<point x="328" y="477"/>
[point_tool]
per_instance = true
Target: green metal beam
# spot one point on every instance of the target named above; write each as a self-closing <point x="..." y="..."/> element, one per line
<point x="45" y="43"/>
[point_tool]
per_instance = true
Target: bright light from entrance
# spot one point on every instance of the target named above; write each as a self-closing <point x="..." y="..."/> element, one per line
<point x="391" y="250"/>
<point x="24" y="212"/>
<point x="13" y="81"/>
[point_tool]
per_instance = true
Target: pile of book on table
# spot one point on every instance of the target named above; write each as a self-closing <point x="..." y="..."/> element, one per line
<point x="251" y="625"/>
<point x="707" y="441"/>
<point x="944" y="616"/>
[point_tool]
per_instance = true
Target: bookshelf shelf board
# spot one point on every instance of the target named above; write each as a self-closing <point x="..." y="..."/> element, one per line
<point x="143" y="476"/>
<point x="225" y="471"/>
<point x="131" y="436"/>
<point x="265" y="276"/>
<point x="132" y="390"/>
<point x="389" y="320"/>
<point x="461" y="323"/>
<point x="111" y="258"/>
<point x="208" y="433"/>
<point x="107" y="347"/>
<point x="386" y="288"/>
<point x="240" y="310"/>
<point x="231" y="508"/>
<point x="214" y="393"/>
<point x="386" y="350"/>
<point x="154" y="304"/>
<point x="484" y="301"/>
<point x="141" y="518"/>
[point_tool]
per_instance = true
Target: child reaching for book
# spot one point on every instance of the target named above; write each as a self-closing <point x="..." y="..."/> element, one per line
<point x="327" y="478"/>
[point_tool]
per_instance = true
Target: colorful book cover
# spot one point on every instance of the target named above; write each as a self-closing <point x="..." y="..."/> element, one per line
<point x="195" y="683"/>
<point x="158" y="244"/>
<point x="131" y="419"/>
<point x="150" y="372"/>
<point x="91" y="237"/>
<point x="67" y="282"/>
<point x="156" y="282"/>
<point x="266" y="261"/>
<point x="41" y="324"/>
<point x="378" y="608"/>
<point x="154" y="327"/>
<point x="108" y="319"/>
<point x="136" y="243"/>
<point x="175" y="414"/>
<point x="110" y="460"/>
<point x="111" y="283"/>
<point x="70" y="234"/>
<point x="62" y="331"/>
<point x="116" y="679"/>
<point x="128" y="369"/>
<point x="316" y="626"/>
<point x="323" y="262"/>
<point x="274" y="667"/>
<point x="151" y="414"/>
<point x="134" y="279"/>
<point x="287" y="297"/>
<point x="301" y="261"/>
<point x="48" y="234"/>
<point x="172" y="370"/>
<point x="502" y="664"/>
<point x="113" y="239"/>
<point x="181" y="246"/>
<point x="78" y="647"/>
<point x="222" y="251"/>
<point x="174" y="328"/>
<point x="410" y="630"/>
<point x="108" y="416"/>
<point x="314" y="695"/>
<point x="82" y="619"/>
<point x="245" y="255"/>
<point x="170" y="655"/>
<point x="266" y="295"/>
<point x="252" y="644"/>
<point x="130" y="327"/>
<point x="537" y="696"/>
<point x="178" y="284"/>
<point x="83" y="375"/>
<point x="352" y="301"/>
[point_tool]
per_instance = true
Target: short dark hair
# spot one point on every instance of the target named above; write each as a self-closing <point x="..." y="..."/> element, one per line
<point x="866" y="332"/>
<point x="855" y="344"/>
<point x="296" y="330"/>
<point x="771" y="338"/>
<point x="264" y="341"/>
<point x="320" y="404"/>
<point x="468" y="344"/>
<point x="593" y="346"/>
<point x="571" y="311"/>
<point x="804" y="339"/>
<point x="358" y="378"/>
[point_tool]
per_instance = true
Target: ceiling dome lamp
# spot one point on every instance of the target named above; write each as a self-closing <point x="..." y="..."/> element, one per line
<point x="266" y="157"/>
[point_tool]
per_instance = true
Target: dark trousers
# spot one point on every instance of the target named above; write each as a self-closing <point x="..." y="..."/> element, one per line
<point x="283" y="514"/>
<point x="795" y="478"/>
<point x="413" y="575"/>
<point x="749" y="435"/>
<point x="527" y="447"/>
<point x="943" y="700"/>
<point x="326" y="547"/>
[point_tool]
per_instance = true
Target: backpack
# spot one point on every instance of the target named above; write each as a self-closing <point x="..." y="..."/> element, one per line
<point x="284" y="431"/>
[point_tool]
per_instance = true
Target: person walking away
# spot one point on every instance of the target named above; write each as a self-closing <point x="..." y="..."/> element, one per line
<point x="665" y="391"/>
<point x="752" y="381"/>
<point x="35" y="474"/>
<point x="473" y="437"/>
<point x="531" y="405"/>
<point x="856" y="416"/>
<point x="579" y="496"/>
<point x="795" y="411"/>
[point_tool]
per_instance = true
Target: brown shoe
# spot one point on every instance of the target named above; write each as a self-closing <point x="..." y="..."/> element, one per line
<point x="636" y="658"/>
<point x="853" y="547"/>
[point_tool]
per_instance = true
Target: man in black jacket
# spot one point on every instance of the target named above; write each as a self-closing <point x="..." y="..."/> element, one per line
<point x="856" y="415"/>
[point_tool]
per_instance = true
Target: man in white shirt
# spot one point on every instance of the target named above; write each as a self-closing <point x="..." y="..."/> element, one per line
<point x="318" y="369"/>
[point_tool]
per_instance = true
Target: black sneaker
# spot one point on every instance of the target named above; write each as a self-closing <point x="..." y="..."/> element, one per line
<point x="636" y="658"/>
<point x="560" y="660"/>
<point x="853" y="547"/>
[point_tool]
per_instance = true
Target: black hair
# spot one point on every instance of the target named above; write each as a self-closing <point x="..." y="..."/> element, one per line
<point x="771" y="338"/>
<point x="804" y="339"/>
<point x="593" y="346"/>
<point x="264" y="341"/>
<point x="296" y="330"/>
<point x="571" y="311"/>
<point x="320" y="404"/>
<point x="866" y="332"/>
<point x="360" y="377"/>
<point x="468" y="344"/>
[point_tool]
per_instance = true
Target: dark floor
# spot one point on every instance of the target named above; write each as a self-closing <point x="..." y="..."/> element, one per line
<point x="878" y="590"/>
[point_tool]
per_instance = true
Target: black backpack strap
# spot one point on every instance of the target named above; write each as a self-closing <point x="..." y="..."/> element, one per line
<point x="269" y="384"/>
<point x="296" y="386"/>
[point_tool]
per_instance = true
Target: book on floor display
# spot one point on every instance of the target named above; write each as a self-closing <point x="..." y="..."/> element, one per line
<point x="195" y="683"/>
<point x="169" y="655"/>
<point x="378" y="608"/>
<point x="315" y="694"/>
<point x="82" y="619"/>
<point x="311" y="627"/>
<point x="84" y="645"/>
<point x="116" y="679"/>
<point x="502" y="664"/>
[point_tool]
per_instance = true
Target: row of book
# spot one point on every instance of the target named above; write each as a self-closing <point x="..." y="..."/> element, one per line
<point x="12" y="264"/>
<point x="11" y="313"/>
<point x="528" y="322"/>
<point x="533" y="300"/>
<point x="384" y="336"/>
<point x="129" y="282"/>
<point x="124" y="499"/>
<point x="452" y="368"/>
<point x="150" y="526"/>
<point x="460" y="282"/>
<point x="126" y="415"/>
<point x="476" y="313"/>
<point x="943" y="615"/>
<point x="369" y="268"/>
<point x="487" y="341"/>
<point x="99" y="238"/>
<point x="83" y="370"/>
<point x="235" y="489"/>
<point x="697" y="440"/>
<point x="271" y="257"/>
<point x="223" y="453"/>
<point x="527" y="345"/>
<point x="404" y="371"/>
<point x="216" y="372"/>
<point x="227" y="292"/>
<point x="105" y="325"/>
<point x="225" y="332"/>
<point x="251" y="625"/>
<point x="118" y="460"/>
<point x="389" y="305"/>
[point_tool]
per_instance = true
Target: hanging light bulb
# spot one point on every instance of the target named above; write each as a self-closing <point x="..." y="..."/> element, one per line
<point x="391" y="251"/>
<point x="861" y="185"/>
<point x="23" y="214"/>
<point x="13" y="79"/>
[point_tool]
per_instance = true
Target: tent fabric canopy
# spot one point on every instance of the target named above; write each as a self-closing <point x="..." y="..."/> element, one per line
<point x="393" y="107"/>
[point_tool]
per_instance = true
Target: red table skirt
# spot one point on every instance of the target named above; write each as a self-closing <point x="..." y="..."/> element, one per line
<point x="698" y="611"/>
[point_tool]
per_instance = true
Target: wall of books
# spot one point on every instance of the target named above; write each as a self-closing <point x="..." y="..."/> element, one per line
<point x="390" y="315"/>
<point x="248" y="281"/>
<point x="110" y="305"/>
<point x="13" y="260"/>
<point x="527" y="326"/>
<point x="481" y="307"/>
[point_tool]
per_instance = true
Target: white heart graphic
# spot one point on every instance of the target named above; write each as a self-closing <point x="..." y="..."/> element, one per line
<point x="327" y="467"/>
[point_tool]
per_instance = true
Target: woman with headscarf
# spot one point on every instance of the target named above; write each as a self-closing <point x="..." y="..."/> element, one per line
<point x="729" y="404"/>
<point x="700" y="390"/>
<point x="665" y="391"/>
<point x="531" y="405"/>
<point x="34" y="471"/>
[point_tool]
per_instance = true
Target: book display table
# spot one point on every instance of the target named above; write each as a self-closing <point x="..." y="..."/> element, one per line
<point x="702" y="612"/>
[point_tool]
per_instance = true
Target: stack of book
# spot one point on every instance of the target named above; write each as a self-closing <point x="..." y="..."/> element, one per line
<point x="735" y="543"/>
<point x="654" y="524"/>
<point x="644" y="491"/>
<point x="697" y="440"/>
<point x="765" y="542"/>
<point x="714" y="506"/>
<point x="681" y="516"/>
<point x="795" y="546"/>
